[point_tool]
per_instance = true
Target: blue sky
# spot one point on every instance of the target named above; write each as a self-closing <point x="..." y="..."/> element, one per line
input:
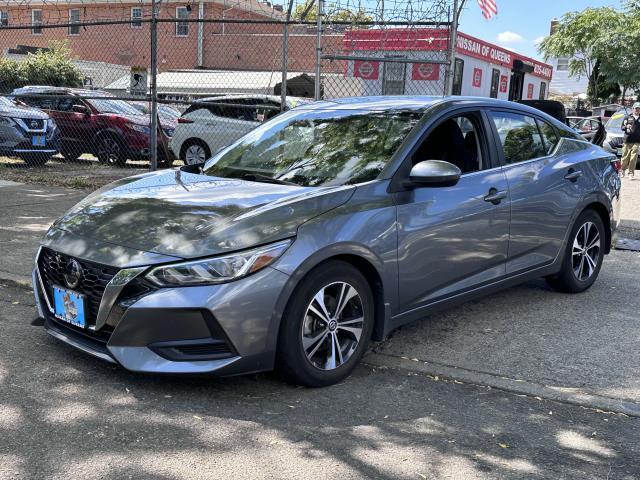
<point x="520" y="22"/>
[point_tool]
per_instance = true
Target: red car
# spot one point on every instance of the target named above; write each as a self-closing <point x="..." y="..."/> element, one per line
<point x="95" y="122"/>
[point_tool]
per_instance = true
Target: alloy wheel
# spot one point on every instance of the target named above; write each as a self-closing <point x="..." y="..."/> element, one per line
<point x="110" y="150"/>
<point x="333" y="325"/>
<point x="586" y="251"/>
<point x="194" y="154"/>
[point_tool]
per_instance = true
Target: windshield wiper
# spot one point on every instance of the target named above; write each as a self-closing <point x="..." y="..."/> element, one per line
<point x="257" y="177"/>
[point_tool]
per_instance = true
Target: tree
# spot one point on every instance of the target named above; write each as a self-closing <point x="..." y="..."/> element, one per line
<point x="309" y="12"/>
<point x="620" y="59"/>
<point x="579" y="37"/>
<point x="52" y="66"/>
<point x="600" y="86"/>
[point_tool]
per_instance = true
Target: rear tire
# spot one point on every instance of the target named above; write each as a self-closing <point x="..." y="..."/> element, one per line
<point x="326" y="327"/>
<point x="194" y="151"/>
<point x="37" y="159"/>
<point x="583" y="255"/>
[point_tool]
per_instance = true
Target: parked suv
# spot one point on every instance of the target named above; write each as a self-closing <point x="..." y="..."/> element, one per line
<point x="212" y="123"/>
<point x="27" y="133"/>
<point x="95" y="122"/>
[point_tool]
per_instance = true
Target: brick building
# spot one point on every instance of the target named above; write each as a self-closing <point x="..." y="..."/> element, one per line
<point x="213" y="44"/>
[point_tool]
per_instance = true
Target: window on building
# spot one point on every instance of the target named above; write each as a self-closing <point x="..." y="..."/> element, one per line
<point x="458" y="70"/>
<point x="520" y="137"/>
<point x="393" y="78"/>
<point x="4" y="19"/>
<point x="36" y="22"/>
<point x="543" y="90"/>
<point x="136" y="17"/>
<point x="495" y="83"/>
<point x="182" y="28"/>
<point x="563" y="64"/>
<point x="74" y="20"/>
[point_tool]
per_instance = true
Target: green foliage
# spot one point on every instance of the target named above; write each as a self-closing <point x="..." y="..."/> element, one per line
<point x="600" y="86"/>
<point x="333" y="13"/>
<point x="47" y="67"/>
<point x="578" y="36"/>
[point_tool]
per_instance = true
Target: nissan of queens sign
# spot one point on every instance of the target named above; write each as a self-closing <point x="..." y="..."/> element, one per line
<point x="138" y="81"/>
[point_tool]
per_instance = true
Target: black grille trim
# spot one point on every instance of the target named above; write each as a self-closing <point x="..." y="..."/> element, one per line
<point x="193" y="350"/>
<point x="95" y="278"/>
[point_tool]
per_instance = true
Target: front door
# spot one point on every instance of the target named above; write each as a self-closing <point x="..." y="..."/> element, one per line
<point x="455" y="238"/>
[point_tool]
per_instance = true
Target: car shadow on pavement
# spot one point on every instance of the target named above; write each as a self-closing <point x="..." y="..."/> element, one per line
<point x="65" y="414"/>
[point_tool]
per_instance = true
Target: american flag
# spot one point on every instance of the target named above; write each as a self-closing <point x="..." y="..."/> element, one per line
<point x="488" y="7"/>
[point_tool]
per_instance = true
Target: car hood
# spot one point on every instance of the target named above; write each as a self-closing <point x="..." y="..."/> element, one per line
<point x="19" y="111"/>
<point x="185" y="215"/>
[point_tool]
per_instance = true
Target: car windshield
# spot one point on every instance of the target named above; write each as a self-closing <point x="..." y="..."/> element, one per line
<point x="108" y="105"/>
<point x="316" y="148"/>
<point x="615" y="122"/>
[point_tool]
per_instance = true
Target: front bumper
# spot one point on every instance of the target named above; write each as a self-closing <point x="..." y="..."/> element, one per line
<point x="223" y="329"/>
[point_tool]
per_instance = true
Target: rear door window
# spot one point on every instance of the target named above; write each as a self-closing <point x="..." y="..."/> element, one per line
<point x="549" y="136"/>
<point x="519" y="136"/>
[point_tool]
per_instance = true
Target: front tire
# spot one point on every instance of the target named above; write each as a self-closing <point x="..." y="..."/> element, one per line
<point x="110" y="151"/>
<point x="326" y="326"/>
<point x="583" y="255"/>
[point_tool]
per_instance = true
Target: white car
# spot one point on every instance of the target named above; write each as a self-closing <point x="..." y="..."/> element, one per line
<point x="212" y="123"/>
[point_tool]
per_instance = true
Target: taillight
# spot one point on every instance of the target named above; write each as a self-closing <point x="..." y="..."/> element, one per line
<point x="616" y="165"/>
<point x="184" y="120"/>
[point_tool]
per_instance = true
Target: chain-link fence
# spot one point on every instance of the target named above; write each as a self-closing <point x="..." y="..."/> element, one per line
<point x="152" y="84"/>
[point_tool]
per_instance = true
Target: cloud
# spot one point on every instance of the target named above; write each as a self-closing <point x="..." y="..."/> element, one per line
<point x="509" y="37"/>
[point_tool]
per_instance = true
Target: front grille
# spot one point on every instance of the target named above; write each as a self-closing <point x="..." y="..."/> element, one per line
<point x="95" y="278"/>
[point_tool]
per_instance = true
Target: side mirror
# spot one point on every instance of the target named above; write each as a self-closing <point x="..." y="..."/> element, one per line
<point x="433" y="173"/>
<point x="81" y="109"/>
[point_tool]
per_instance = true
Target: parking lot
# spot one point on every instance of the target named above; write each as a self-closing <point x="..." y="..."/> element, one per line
<point x="526" y="383"/>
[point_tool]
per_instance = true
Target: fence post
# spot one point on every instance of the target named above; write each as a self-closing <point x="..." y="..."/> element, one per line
<point x="153" y="150"/>
<point x="453" y="33"/>
<point x="318" y="48"/>
<point x="285" y="59"/>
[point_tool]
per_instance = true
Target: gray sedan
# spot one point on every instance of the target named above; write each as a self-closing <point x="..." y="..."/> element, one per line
<point x="324" y="228"/>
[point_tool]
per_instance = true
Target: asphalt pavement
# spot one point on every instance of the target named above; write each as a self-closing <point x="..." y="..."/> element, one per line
<point x="525" y="383"/>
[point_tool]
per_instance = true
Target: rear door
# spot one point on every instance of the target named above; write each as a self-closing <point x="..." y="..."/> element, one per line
<point x="77" y="129"/>
<point x="545" y="187"/>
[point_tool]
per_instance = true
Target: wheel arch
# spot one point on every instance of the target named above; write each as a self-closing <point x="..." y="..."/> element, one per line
<point x="603" y="213"/>
<point x="360" y="258"/>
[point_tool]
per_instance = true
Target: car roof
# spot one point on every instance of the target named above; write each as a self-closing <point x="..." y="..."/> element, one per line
<point x="77" y="91"/>
<point x="238" y="96"/>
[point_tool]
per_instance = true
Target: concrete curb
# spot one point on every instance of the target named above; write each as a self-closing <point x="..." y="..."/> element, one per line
<point x="572" y="396"/>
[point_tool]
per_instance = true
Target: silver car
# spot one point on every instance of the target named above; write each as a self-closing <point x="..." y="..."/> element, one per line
<point x="27" y="133"/>
<point x="326" y="227"/>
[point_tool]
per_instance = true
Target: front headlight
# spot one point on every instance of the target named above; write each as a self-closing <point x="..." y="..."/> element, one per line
<point x="138" y="128"/>
<point x="6" y="122"/>
<point x="217" y="269"/>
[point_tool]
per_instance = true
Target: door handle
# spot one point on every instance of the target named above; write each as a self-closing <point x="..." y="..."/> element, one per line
<point x="495" y="196"/>
<point x="573" y="175"/>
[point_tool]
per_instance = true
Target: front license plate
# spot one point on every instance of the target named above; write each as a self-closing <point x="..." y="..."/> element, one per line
<point x="69" y="307"/>
<point x="38" y="141"/>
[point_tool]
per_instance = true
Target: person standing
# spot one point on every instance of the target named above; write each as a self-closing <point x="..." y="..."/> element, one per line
<point x="631" y="129"/>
